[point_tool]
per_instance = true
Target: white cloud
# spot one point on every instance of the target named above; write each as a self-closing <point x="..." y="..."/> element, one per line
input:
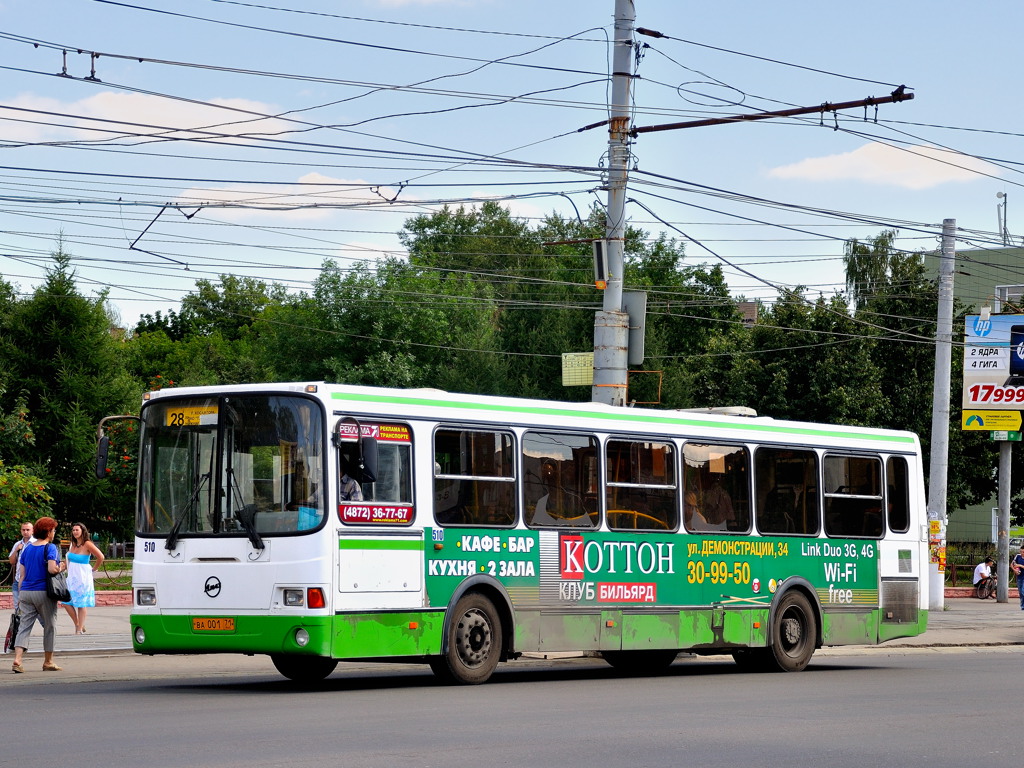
<point x="131" y="113"/>
<point x="916" y="167"/>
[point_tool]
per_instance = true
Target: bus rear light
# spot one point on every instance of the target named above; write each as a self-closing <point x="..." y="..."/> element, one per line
<point x="315" y="598"/>
<point x="293" y="598"/>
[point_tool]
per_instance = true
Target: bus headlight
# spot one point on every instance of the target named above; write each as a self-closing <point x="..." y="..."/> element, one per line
<point x="140" y="635"/>
<point x="301" y="638"/>
<point x="293" y="598"/>
<point x="145" y="596"/>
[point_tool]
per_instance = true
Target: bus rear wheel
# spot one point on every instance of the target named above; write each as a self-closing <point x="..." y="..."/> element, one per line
<point x="474" y="643"/>
<point x="304" y="669"/>
<point x="793" y="633"/>
<point x="640" y="662"/>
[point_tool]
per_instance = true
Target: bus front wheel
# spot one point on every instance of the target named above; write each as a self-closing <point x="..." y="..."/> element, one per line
<point x="304" y="669"/>
<point x="474" y="643"/>
<point x="793" y="633"/>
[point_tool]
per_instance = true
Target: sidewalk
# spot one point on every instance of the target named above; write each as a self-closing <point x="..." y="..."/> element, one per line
<point x="966" y="621"/>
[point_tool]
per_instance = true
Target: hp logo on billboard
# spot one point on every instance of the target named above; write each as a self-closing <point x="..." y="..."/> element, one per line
<point x="982" y="327"/>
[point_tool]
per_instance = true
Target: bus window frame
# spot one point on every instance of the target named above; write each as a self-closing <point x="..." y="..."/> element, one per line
<point x="816" y="455"/>
<point x="590" y="474"/>
<point x="713" y="442"/>
<point x="826" y="495"/>
<point x="906" y="492"/>
<point x="634" y="440"/>
<point x="410" y="506"/>
<point x="512" y="480"/>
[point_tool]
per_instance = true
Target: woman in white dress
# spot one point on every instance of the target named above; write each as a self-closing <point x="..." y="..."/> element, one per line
<point x="80" y="581"/>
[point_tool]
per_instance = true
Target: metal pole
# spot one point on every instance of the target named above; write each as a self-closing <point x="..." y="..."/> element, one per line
<point x="938" y="467"/>
<point x="611" y="326"/>
<point x="1003" y="528"/>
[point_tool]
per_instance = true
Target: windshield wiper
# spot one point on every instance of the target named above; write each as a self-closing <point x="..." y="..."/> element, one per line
<point x="245" y="514"/>
<point x="247" y="517"/>
<point x="172" y="535"/>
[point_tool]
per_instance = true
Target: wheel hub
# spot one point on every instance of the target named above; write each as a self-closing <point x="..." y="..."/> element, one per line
<point x="473" y="638"/>
<point x="792" y="631"/>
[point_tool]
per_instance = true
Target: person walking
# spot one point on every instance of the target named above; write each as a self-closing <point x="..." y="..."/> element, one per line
<point x="80" y="579"/>
<point x="1018" y="569"/>
<point x="38" y="558"/>
<point x="26" y="537"/>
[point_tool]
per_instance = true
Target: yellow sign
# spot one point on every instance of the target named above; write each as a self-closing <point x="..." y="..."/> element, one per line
<point x="577" y="369"/>
<point x="191" y="415"/>
<point x="988" y="421"/>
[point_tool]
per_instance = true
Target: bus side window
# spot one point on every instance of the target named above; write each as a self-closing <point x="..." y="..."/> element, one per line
<point x="716" y="483"/>
<point x="642" y="493"/>
<point x="560" y="480"/>
<point x="853" y="496"/>
<point x="897" y="476"/>
<point x="474" y="478"/>
<point x="787" y="498"/>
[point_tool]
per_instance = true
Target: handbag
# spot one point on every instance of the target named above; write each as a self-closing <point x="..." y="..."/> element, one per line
<point x="12" y="631"/>
<point x="57" y="585"/>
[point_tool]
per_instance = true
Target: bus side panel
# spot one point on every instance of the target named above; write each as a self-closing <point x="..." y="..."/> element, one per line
<point x="849" y="626"/>
<point x="569" y="631"/>
<point x="387" y="634"/>
<point x="713" y="628"/>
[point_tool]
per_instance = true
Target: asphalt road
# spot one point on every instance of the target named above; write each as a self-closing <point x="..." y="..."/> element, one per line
<point x="875" y="707"/>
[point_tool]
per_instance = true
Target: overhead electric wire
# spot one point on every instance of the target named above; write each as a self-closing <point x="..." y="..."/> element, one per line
<point x="341" y="41"/>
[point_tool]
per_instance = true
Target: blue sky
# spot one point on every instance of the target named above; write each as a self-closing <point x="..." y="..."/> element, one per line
<point x="279" y="134"/>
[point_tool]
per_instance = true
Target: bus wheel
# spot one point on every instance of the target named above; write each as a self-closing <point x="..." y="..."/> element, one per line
<point x="474" y="642"/>
<point x="640" y="662"/>
<point x="304" y="669"/>
<point x="793" y="633"/>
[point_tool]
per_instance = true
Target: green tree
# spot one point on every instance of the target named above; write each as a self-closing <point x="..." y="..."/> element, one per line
<point x="23" y="494"/>
<point x="64" y="363"/>
<point x="897" y="303"/>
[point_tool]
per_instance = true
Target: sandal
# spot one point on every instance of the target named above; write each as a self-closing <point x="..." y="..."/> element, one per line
<point x="17" y="668"/>
<point x="51" y="668"/>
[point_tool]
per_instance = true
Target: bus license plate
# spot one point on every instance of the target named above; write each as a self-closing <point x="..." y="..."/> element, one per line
<point x="219" y="624"/>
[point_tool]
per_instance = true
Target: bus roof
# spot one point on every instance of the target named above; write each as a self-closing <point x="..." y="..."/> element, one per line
<point x="438" y="405"/>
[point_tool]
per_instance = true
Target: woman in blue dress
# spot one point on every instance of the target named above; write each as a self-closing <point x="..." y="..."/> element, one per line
<point x="80" y="581"/>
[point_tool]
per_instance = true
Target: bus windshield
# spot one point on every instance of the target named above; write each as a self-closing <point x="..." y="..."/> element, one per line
<point x="231" y="466"/>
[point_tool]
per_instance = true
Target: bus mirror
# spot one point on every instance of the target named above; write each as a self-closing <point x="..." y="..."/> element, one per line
<point x="102" y="447"/>
<point x="368" y="455"/>
<point x="103" y="443"/>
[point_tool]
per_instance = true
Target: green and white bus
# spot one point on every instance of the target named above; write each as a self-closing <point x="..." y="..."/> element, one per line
<point x="317" y="523"/>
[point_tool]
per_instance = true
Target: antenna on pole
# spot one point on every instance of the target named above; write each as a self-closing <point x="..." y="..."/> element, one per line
<point x="1001" y="214"/>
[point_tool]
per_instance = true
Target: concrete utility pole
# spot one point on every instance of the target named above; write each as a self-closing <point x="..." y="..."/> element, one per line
<point x="611" y="326"/>
<point x="1003" y="527"/>
<point x="939" y="462"/>
<point x="612" y="323"/>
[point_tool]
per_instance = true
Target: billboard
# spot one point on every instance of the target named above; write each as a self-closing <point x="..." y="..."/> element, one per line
<point x="994" y="363"/>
